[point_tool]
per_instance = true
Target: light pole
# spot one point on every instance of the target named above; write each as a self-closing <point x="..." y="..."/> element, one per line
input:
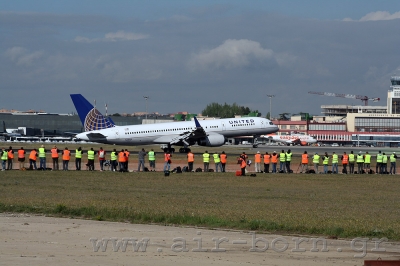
<point x="270" y="96"/>
<point x="146" y="98"/>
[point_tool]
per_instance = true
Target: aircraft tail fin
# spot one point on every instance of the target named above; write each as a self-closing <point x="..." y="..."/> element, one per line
<point x="90" y="117"/>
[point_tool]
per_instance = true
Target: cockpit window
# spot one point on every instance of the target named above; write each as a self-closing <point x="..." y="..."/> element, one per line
<point x="271" y="123"/>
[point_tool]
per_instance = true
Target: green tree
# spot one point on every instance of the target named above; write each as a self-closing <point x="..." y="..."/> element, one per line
<point x="226" y="110"/>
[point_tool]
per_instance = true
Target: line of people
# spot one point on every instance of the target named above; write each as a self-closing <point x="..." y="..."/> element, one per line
<point x="363" y="162"/>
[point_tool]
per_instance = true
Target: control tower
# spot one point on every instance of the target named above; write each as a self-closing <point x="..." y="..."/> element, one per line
<point x="393" y="99"/>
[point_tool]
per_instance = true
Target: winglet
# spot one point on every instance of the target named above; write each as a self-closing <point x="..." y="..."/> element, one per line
<point x="196" y="122"/>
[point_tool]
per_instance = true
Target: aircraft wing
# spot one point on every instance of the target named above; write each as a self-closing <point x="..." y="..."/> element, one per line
<point x="187" y="137"/>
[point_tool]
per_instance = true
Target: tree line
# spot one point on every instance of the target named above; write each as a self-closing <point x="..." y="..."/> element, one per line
<point x="226" y="110"/>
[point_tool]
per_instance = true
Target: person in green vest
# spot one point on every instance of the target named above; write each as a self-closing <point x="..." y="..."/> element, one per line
<point x="352" y="160"/>
<point x="360" y="163"/>
<point x="90" y="155"/>
<point x="42" y="158"/>
<point x="206" y="161"/>
<point x="335" y="161"/>
<point x="367" y="162"/>
<point x="384" y="164"/>
<point x="217" y="161"/>
<point x="282" y="161"/>
<point x="114" y="162"/>
<point x="379" y="158"/>
<point x="4" y="158"/>
<point x="393" y="158"/>
<point x="288" y="160"/>
<point x="78" y="158"/>
<point x="152" y="160"/>
<point x="325" y="162"/>
<point x="316" y="162"/>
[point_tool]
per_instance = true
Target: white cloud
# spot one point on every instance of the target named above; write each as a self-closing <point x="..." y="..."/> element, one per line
<point x="21" y="56"/>
<point x="114" y="37"/>
<point x="234" y="54"/>
<point x="376" y="16"/>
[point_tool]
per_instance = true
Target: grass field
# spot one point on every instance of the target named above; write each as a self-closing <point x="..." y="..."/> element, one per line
<point x="325" y="205"/>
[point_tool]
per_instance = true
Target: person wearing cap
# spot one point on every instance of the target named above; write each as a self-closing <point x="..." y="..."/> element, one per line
<point x="367" y="162"/>
<point x="282" y="161"/>
<point x="257" y="162"/>
<point x="316" y="162"/>
<point x="378" y="162"/>
<point x="393" y="158"/>
<point x="288" y="160"/>
<point x="360" y="163"/>
<point x="274" y="161"/>
<point x="351" y="162"/>
<point x="384" y="164"/>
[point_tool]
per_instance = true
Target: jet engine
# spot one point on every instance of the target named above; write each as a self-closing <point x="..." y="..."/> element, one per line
<point x="212" y="140"/>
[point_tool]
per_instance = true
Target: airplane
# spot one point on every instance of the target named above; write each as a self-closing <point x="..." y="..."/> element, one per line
<point x="6" y="133"/>
<point x="292" y="139"/>
<point x="210" y="133"/>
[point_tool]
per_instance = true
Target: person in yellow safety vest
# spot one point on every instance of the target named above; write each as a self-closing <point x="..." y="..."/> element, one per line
<point x="367" y="162"/>
<point x="384" y="164"/>
<point x="21" y="157"/>
<point x="217" y="162"/>
<point x="288" y="160"/>
<point x="32" y="159"/>
<point x="267" y="161"/>
<point x="54" y="156"/>
<point x="206" y="161"/>
<point x="378" y="163"/>
<point x="316" y="162"/>
<point x="4" y="158"/>
<point x="257" y="162"/>
<point x="10" y="160"/>
<point x="78" y="158"/>
<point x="335" y="161"/>
<point x="42" y="158"/>
<point x="360" y="163"/>
<point x="190" y="160"/>
<point x="152" y="160"/>
<point x="325" y="162"/>
<point x="223" y="157"/>
<point x="393" y="158"/>
<point x="304" y="162"/>
<point x="66" y="156"/>
<point x="114" y="163"/>
<point x="91" y="155"/>
<point x="282" y="161"/>
<point x="351" y="162"/>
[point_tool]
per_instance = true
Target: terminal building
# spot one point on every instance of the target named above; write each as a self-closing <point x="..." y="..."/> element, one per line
<point x="357" y="125"/>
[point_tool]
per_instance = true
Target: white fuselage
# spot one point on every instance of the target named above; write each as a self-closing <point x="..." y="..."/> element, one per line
<point x="165" y="133"/>
<point x="292" y="138"/>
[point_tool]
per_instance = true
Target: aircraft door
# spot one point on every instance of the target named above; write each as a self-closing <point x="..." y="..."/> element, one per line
<point x="223" y="126"/>
<point x="263" y="123"/>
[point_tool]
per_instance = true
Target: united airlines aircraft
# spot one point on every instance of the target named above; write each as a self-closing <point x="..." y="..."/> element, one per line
<point x="211" y="133"/>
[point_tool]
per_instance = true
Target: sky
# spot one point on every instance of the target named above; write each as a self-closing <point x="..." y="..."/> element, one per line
<point x="185" y="55"/>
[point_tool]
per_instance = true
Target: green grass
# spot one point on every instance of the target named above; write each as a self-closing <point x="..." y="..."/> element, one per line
<point x="329" y="205"/>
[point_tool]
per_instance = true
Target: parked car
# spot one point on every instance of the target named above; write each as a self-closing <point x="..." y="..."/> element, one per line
<point x="335" y="145"/>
